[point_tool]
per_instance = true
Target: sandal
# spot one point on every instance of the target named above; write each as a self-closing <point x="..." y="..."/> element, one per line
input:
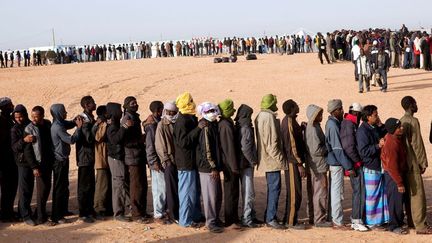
<point x="424" y="232"/>
<point x="400" y="231"/>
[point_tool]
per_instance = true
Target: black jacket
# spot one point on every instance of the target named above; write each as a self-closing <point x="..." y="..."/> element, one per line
<point x="22" y="150"/>
<point x="115" y="132"/>
<point x="134" y="141"/>
<point x="186" y="137"/>
<point x="85" y="146"/>
<point x="47" y="150"/>
<point x="208" y="150"/>
<point x="348" y="140"/>
<point x="228" y="145"/>
<point x="367" y="143"/>
<point x="6" y="154"/>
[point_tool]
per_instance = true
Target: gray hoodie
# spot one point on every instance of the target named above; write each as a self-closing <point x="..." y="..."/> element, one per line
<point x="61" y="139"/>
<point x="315" y="141"/>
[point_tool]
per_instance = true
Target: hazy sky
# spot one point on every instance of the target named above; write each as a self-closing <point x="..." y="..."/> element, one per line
<point x="27" y="23"/>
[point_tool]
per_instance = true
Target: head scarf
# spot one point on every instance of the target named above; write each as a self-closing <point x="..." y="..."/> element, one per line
<point x="204" y="109"/>
<point x="227" y="108"/>
<point x="269" y="102"/>
<point x="186" y="104"/>
<point x="170" y="106"/>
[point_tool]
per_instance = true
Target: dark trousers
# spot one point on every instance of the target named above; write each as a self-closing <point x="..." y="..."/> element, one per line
<point x="395" y="203"/>
<point x="60" y="198"/>
<point x="293" y="194"/>
<point x="171" y="187"/>
<point x="86" y="190"/>
<point x="9" y="186"/>
<point x="103" y="197"/>
<point x="358" y="197"/>
<point x="43" y="188"/>
<point x="273" y="193"/>
<point x="320" y="54"/>
<point x="25" y="191"/>
<point x="138" y="190"/>
<point x="231" y="196"/>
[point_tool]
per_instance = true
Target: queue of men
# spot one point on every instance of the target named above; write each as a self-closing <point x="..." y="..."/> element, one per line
<point x="187" y="148"/>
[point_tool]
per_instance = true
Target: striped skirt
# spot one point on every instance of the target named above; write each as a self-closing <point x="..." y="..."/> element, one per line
<point x="376" y="201"/>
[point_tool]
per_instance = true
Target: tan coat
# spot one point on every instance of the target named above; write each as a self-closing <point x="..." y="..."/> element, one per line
<point x="416" y="153"/>
<point x="269" y="143"/>
<point x="164" y="142"/>
<point x="101" y="154"/>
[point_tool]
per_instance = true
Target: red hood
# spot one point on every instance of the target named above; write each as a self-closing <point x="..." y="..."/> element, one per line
<point x="351" y="117"/>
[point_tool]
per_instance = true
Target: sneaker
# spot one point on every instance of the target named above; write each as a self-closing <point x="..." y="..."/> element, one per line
<point x="122" y="218"/>
<point x="63" y="221"/>
<point x="251" y="225"/>
<point x="87" y="219"/>
<point x="340" y="227"/>
<point x="275" y="225"/>
<point x="324" y="225"/>
<point x="216" y="229"/>
<point x="30" y="222"/>
<point x="142" y="220"/>
<point x="359" y="227"/>
<point x="296" y="227"/>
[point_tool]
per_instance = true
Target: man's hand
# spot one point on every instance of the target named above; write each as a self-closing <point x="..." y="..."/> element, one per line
<point x="157" y="167"/>
<point x="381" y="143"/>
<point x="79" y="121"/>
<point x="98" y="121"/>
<point x="203" y="123"/>
<point x="36" y="172"/>
<point x="29" y="139"/>
<point x="129" y="123"/>
<point x="352" y="173"/>
<point x="401" y="189"/>
<point x="214" y="174"/>
<point x="302" y="170"/>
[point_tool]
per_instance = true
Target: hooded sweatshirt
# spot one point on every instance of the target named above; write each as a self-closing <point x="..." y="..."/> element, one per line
<point x="60" y="138"/>
<point x="315" y="141"/>
<point x="348" y="132"/>
<point x="245" y="137"/>
<point x="17" y="136"/>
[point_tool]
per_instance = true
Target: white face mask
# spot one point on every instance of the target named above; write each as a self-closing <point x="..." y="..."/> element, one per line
<point x="211" y="117"/>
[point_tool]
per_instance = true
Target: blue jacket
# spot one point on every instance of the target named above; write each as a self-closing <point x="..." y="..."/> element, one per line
<point x="367" y="144"/>
<point x="336" y="155"/>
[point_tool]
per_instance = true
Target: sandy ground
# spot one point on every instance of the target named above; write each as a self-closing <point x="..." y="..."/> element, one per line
<point x="298" y="77"/>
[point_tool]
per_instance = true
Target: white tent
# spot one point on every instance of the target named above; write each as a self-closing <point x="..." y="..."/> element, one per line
<point x="303" y="32"/>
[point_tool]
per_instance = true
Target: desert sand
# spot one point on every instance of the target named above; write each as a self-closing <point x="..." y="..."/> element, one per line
<point x="299" y="77"/>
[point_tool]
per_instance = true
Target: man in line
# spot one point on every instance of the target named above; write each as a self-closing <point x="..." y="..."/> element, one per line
<point x="8" y="168"/>
<point x="247" y="154"/>
<point x="270" y="155"/>
<point x="295" y="150"/>
<point x="337" y="160"/>
<point x="43" y="156"/>
<point x="157" y="173"/>
<point x="186" y="135"/>
<point x="27" y="168"/>
<point x="85" y="156"/>
<point x="164" y="145"/>
<point x="348" y="132"/>
<point x="135" y="159"/>
<point x="230" y="162"/>
<point x="393" y="157"/>
<point x="417" y="164"/>
<point x="62" y="141"/>
<point x="316" y="155"/>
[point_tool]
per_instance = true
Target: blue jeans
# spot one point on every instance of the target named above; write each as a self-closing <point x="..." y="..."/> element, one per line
<point x="336" y="193"/>
<point x="248" y="195"/>
<point x="189" y="197"/>
<point x="407" y="60"/>
<point x="158" y="191"/>
<point x="273" y="192"/>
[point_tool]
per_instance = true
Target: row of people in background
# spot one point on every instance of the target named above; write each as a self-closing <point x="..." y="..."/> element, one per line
<point x="186" y="156"/>
<point x="195" y="47"/>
